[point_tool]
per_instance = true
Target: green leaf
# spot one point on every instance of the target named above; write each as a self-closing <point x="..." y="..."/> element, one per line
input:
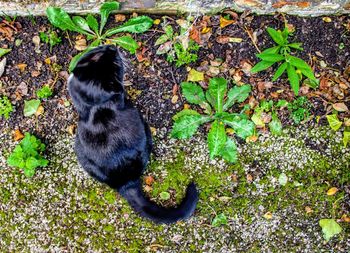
<point x="313" y="83"/>
<point x="308" y="73"/>
<point x="76" y="58"/>
<point x="44" y="92"/>
<point x="281" y="103"/>
<point x="30" y="107"/>
<point x="216" y="138"/>
<point x="237" y="94"/>
<point x="280" y="71"/>
<point x="296" y="45"/>
<point x="127" y="43"/>
<point x="243" y="127"/>
<point x="187" y="126"/>
<point x="105" y="10"/>
<point x="229" y="152"/>
<point x="298" y="63"/>
<point x="32" y="163"/>
<point x="169" y="31"/>
<point x="275" y="125"/>
<point x="330" y="228"/>
<point x="93" y="23"/>
<point x="283" y="179"/>
<point x="276" y="36"/>
<point x="260" y="66"/>
<point x="193" y="93"/>
<point x="217" y="89"/>
<point x="135" y="25"/>
<point x="271" y="50"/>
<point x="270" y="57"/>
<point x="183" y="113"/>
<point x="162" y="39"/>
<point x="219" y="220"/>
<point x="82" y="23"/>
<point x="346" y="138"/>
<point x="164" y="195"/>
<point x="16" y="158"/>
<point x="61" y="19"/>
<point x="334" y="122"/>
<point x="293" y="79"/>
<point x="256" y="118"/>
<point x="4" y="51"/>
<point x="29" y="172"/>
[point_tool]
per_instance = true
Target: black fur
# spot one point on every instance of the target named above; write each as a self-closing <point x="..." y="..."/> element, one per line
<point x="113" y="142"/>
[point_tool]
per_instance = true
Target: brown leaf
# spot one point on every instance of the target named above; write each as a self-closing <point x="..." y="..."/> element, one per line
<point x="345" y="218"/>
<point x="174" y="99"/>
<point x="71" y="129"/>
<point x="195" y="35"/>
<point x="80" y="44"/>
<point x="249" y="178"/>
<point x="149" y="180"/>
<point x="21" y="66"/>
<point x="39" y="111"/>
<point x="17" y="135"/>
<point x="175" y="89"/>
<point x="225" y="22"/>
<point x="308" y="209"/>
<point x="340" y="107"/>
<point x="119" y="18"/>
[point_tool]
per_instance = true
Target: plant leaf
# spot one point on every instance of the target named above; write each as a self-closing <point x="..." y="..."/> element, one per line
<point x="219" y="220"/>
<point x="280" y="71"/>
<point x="195" y="76"/>
<point x="271" y="50"/>
<point x="162" y="39"/>
<point x="127" y="43"/>
<point x="346" y="138"/>
<point x="30" y="107"/>
<point x="183" y="113"/>
<point x="82" y="23"/>
<point x="275" y="125"/>
<point x="193" y="93"/>
<point x="187" y="126"/>
<point x="229" y="152"/>
<point x="237" y="94"/>
<point x="293" y="79"/>
<point x="164" y="195"/>
<point x="216" y="138"/>
<point x="260" y="66"/>
<point x="105" y="9"/>
<point x="256" y="118"/>
<point x="309" y="74"/>
<point x="169" y="31"/>
<point x="334" y="122"/>
<point x="298" y="63"/>
<point x="243" y="127"/>
<point x="270" y="57"/>
<point x="276" y="36"/>
<point x="92" y="22"/>
<point x="4" y="51"/>
<point x="296" y="45"/>
<point x="330" y="228"/>
<point x="59" y="18"/>
<point x="135" y="25"/>
<point x="217" y="89"/>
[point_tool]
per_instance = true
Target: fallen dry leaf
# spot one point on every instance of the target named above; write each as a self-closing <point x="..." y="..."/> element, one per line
<point x="308" y="209"/>
<point x="39" y="111"/>
<point x="224" y="39"/>
<point x="340" y="107"/>
<point x="249" y="178"/>
<point x="195" y="76"/>
<point x="17" y="135"/>
<point x="22" y="66"/>
<point x="119" y="18"/>
<point x="80" y="44"/>
<point x="153" y="131"/>
<point x="225" y="22"/>
<point x="174" y="99"/>
<point x="345" y="218"/>
<point x="268" y="215"/>
<point x="71" y="129"/>
<point x="149" y="180"/>
<point x="327" y="19"/>
<point x="332" y="191"/>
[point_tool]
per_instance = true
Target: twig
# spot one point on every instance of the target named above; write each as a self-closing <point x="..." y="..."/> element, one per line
<point x="251" y="38"/>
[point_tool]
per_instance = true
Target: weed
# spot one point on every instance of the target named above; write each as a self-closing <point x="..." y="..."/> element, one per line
<point x="5" y="107"/>
<point x="44" y="92"/>
<point x="50" y="38"/>
<point x="299" y="109"/>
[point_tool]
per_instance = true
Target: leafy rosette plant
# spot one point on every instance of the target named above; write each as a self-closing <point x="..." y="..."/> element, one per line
<point x="216" y="102"/>
<point x="294" y="66"/>
<point x="90" y="27"/>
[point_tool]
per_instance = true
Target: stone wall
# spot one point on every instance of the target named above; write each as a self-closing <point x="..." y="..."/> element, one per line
<point x="296" y="7"/>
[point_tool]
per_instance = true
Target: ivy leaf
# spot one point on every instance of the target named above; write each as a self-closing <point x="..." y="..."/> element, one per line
<point x="216" y="138"/>
<point x="30" y="107"/>
<point x="183" y="113"/>
<point x="276" y="36"/>
<point x="217" y="89"/>
<point x="260" y="66"/>
<point x="135" y="25"/>
<point x="164" y="195"/>
<point x="219" y="220"/>
<point x="127" y="43"/>
<point x="193" y="93"/>
<point x="346" y="138"/>
<point x="334" y="122"/>
<point x="4" y="51"/>
<point x="105" y="9"/>
<point x="243" y="127"/>
<point x="282" y="103"/>
<point x="44" y="92"/>
<point x="280" y="71"/>
<point x="293" y="79"/>
<point x="92" y="22"/>
<point x="237" y="94"/>
<point x="330" y="228"/>
<point x="275" y="125"/>
<point x="187" y="126"/>
<point x="229" y="152"/>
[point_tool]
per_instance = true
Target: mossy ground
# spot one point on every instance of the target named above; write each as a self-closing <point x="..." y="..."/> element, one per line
<point x="61" y="208"/>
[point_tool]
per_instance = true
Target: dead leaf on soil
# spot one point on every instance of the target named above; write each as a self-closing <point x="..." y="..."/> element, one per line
<point x="345" y="218"/>
<point x="39" y="111"/>
<point x="327" y="19"/>
<point x="224" y="39"/>
<point x="17" y="135"/>
<point x="80" y="44"/>
<point x="226" y="22"/>
<point x="153" y="131"/>
<point x="174" y="99"/>
<point x="195" y="76"/>
<point x="332" y="191"/>
<point x="249" y="178"/>
<point x="149" y="180"/>
<point x="119" y="18"/>
<point x="308" y="209"/>
<point x="71" y="129"/>
<point x="340" y="107"/>
<point x="22" y="66"/>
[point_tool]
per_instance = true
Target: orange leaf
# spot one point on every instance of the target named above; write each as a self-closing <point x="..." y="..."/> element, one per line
<point x="149" y="180"/>
<point x="225" y="22"/>
<point x="21" y="66"/>
<point x="17" y="135"/>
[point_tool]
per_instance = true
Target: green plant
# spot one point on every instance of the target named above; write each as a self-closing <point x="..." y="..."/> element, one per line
<point x="335" y="124"/>
<point x="50" y="38"/>
<point x="5" y="107"/>
<point x="266" y="112"/>
<point x="31" y="107"/>
<point x="27" y="155"/>
<point x="299" y="109"/>
<point x="178" y="47"/>
<point x="215" y="104"/>
<point x="95" y="32"/>
<point x="44" y="92"/>
<point x="4" y="51"/>
<point x="294" y="66"/>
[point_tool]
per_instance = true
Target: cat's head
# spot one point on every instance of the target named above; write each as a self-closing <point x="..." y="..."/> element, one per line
<point x="102" y="66"/>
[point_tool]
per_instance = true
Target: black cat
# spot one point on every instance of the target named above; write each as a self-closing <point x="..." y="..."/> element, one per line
<point x="113" y="142"/>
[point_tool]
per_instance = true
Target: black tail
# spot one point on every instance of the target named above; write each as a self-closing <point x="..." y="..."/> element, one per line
<point x="133" y="193"/>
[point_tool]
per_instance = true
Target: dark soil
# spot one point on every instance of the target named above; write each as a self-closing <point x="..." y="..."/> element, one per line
<point x="156" y="79"/>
